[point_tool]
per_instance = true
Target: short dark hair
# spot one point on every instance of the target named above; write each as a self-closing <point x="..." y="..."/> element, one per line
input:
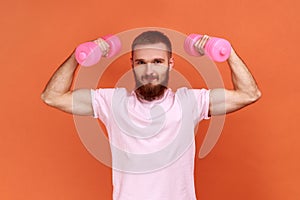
<point x="152" y="37"/>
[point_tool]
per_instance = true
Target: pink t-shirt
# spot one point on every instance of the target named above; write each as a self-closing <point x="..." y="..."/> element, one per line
<point x="152" y="143"/>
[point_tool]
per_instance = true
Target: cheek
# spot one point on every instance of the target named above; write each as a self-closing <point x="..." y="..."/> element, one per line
<point x="138" y="71"/>
<point x="163" y="70"/>
<point x="163" y="76"/>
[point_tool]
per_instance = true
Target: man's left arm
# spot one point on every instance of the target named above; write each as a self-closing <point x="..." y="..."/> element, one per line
<point x="245" y="89"/>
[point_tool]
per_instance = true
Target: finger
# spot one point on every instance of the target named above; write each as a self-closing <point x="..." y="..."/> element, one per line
<point x="199" y="47"/>
<point x="205" y="39"/>
<point x="197" y="44"/>
<point x="104" y="46"/>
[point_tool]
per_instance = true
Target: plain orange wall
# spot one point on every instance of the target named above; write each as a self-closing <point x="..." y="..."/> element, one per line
<point x="41" y="155"/>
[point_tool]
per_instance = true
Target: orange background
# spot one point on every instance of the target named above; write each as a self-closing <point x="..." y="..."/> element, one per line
<point x="41" y="155"/>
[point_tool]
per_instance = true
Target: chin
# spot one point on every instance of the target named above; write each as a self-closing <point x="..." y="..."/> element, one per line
<point x="150" y="91"/>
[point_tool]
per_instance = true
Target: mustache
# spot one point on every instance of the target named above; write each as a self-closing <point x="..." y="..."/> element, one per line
<point x="149" y="91"/>
<point x="149" y="77"/>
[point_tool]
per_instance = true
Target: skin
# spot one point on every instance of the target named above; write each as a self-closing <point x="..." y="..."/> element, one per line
<point x="151" y="60"/>
<point x="151" y="66"/>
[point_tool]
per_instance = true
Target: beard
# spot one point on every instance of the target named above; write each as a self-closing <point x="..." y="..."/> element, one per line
<point x="151" y="92"/>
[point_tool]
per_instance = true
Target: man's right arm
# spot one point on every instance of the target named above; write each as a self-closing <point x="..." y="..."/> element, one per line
<point x="58" y="93"/>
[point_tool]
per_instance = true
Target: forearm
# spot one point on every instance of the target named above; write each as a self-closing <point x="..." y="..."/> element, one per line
<point x="245" y="92"/>
<point x="61" y="81"/>
<point x="242" y="79"/>
<point x="58" y="92"/>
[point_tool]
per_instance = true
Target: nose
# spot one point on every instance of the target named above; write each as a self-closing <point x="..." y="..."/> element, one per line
<point x="149" y="69"/>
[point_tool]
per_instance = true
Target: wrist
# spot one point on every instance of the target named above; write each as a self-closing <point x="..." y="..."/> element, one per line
<point x="233" y="56"/>
<point x="72" y="59"/>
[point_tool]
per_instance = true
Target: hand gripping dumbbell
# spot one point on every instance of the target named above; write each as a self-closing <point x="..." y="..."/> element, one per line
<point x="217" y="49"/>
<point x="89" y="53"/>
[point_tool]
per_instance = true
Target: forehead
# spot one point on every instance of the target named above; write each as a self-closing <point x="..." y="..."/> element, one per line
<point x="150" y="50"/>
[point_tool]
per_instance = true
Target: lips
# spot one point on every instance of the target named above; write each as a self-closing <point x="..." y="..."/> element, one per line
<point x="149" y="78"/>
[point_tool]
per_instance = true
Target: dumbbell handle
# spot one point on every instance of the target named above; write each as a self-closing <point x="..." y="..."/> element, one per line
<point x="217" y="49"/>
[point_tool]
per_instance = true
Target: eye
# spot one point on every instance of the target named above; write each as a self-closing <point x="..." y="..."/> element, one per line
<point x="158" y="61"/>
<point x="140" y="62"/>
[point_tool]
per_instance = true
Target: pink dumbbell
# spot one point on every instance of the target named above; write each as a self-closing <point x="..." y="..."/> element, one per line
<point x="89" y="53"/>
<point x="217" y="49"/>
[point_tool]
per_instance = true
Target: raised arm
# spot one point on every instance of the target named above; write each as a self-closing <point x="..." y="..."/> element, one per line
<point x="245" y="89"/>
<point x="58" y="91"/>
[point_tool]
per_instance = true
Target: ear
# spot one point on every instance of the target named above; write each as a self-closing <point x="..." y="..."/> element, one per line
<point x="171" y="63"/>
<point x="131" y="61"/>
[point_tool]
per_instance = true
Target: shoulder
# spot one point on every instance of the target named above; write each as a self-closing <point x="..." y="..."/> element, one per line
<point x="188" y="91"/>
<point x="108" y="93"/>
<point x="109" y="90"/>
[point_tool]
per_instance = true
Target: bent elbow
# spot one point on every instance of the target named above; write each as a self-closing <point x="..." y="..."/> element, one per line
<point x="259" y="94"/>
<point x="47" y="99"/>
<point x="255" y="96"/>
<point x="61" y="102"/>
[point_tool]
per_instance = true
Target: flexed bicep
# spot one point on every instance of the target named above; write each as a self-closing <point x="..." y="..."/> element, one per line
<point x="77" y="102"/>
<point x="223" y="101"/>
<point x="82" y="102"/>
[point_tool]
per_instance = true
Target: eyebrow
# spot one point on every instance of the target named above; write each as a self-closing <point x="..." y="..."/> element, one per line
<point x="155" y="59"/>
<point x="137" y="60"/>
<point x="159" y="59"/>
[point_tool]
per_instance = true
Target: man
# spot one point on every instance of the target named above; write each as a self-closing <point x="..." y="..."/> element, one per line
<point x="152" y="150"/>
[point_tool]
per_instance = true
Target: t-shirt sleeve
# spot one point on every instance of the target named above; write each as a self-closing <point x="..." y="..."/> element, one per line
<point x="101" y="103"/>
<point x="202" y="103"/>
